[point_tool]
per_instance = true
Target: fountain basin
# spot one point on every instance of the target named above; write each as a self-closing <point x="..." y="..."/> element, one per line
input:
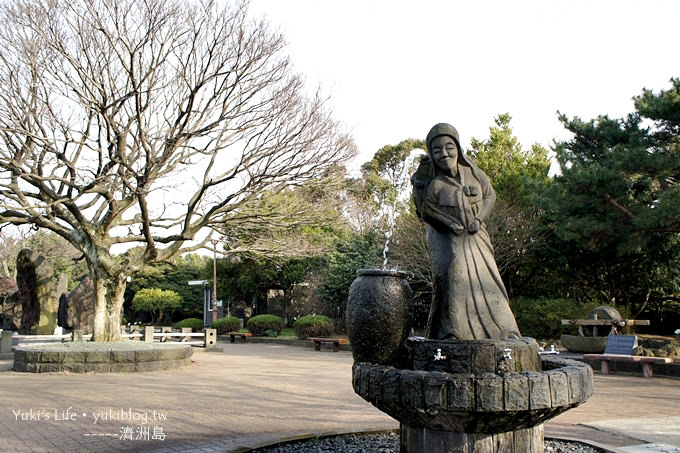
<point x="590" y="345"/>
<point x="469" y="403"/>
<point x="114" y="357"/>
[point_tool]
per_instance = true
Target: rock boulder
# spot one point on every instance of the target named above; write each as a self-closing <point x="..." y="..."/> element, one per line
<point x="37" y="291"/>
<point x="11" y="304"/>
<point x="76" y="310"/>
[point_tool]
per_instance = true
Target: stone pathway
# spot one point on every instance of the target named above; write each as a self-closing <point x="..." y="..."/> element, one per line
<point x="253" y="394"/>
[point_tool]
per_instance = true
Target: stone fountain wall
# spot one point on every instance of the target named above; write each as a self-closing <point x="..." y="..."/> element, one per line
<point x="455" y="395"/>
<point x="438" y="407"/>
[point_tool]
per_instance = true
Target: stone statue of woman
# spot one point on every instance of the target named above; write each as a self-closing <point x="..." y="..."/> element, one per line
<point x="454" y="198"/>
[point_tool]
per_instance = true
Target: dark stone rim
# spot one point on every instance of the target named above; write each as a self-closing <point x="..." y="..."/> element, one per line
<point x="562" y="385"/>
<point x="382" y="273"/>
<point x="141" y="357"/>
<point x="473" y="343"/>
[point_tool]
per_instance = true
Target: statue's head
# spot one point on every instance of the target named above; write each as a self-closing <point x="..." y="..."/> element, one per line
<point x="444" y="148"/>
<point x="439" y="130"/>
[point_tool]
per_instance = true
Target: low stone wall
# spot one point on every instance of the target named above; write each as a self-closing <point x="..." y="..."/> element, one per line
<point x="123" y="357"/>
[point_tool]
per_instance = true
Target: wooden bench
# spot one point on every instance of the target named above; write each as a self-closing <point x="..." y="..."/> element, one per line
<point x="336" y="342"/>
<point x="647" y="362"/>
<point x="619" y="349"/>
<point x="244" y="336"/>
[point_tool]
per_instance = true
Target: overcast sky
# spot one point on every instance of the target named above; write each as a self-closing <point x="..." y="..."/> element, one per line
<point x="395" y="68"/>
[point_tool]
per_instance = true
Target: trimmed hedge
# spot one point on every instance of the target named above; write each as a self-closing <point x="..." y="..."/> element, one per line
<point x="195" y="324"/>
<point x="260" y="324"/>
<point x="226" y="324"/>
<point x="313" y="326"/>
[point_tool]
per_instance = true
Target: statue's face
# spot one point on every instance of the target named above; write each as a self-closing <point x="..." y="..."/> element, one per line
<point x="445" y="154"/>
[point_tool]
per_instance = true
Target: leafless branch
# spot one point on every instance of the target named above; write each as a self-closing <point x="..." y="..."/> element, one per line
<point x="109" y="109"/>
<point x="146" y="122"/>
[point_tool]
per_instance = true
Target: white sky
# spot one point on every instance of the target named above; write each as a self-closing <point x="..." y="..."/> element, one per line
<point x="395" y="68"/>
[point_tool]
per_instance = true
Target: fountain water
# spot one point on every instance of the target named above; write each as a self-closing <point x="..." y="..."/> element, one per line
<point x="390" y="211"/>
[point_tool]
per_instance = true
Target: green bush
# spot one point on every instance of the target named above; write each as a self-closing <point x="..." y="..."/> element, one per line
<point x="224" y="325"/>
<point x="158" y="302"/>
<point x="542" y="318"/>
<point x="260" y="324"/>
<point x="195" y="324"/>
<point x="313" y="326"/>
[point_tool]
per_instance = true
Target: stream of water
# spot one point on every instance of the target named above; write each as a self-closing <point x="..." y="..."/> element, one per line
<point x="402" y="183"/>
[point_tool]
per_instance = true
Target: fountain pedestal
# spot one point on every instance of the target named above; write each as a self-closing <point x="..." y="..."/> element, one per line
<point x="478" y="395"/>
<point x="519" y="441"/>
<point x="482" y="396"/>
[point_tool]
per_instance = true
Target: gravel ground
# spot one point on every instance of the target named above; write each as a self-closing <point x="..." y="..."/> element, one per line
<point x="389" y="443"/>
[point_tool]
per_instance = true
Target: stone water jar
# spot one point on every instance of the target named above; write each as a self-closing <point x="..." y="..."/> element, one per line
<point x="379" y="315"/>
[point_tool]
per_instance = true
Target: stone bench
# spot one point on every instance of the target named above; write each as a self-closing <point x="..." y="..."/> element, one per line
<point x="336" y="342"/>
<point x="646" y="362"/>
<point x="243" y="335"/>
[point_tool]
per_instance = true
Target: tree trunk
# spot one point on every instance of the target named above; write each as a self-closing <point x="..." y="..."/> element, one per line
<point x="108" y="308"/>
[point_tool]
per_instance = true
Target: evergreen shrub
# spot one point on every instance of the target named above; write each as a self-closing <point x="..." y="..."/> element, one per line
<point x="226" y="324"/>
<point x="260" y="324"/>
<point x="195" y="324"/>
<point x="313" y="326"/>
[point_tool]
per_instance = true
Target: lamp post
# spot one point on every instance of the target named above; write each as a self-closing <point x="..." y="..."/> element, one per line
<point x="214" y="298"/>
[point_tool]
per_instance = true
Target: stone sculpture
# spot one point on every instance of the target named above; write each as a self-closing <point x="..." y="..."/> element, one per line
<point x="470" y="301"/>
<point x="37" y="293"/>
<point x="473" y="384"/>
<point x="76" y="310"/>
<point x="11" y="305"/>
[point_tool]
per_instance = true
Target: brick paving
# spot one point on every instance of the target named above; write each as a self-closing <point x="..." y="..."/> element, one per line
<point x="249" y="395"/>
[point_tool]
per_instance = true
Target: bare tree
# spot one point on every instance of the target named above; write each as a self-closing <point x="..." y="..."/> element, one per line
<point x="144" y="123"/>
<point x="10" y="245"/>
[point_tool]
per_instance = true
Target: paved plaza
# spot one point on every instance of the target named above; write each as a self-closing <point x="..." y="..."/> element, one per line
<point x="248" y="395"/>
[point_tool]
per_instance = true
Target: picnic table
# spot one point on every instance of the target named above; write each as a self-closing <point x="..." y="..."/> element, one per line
<point x="613" y="324"/>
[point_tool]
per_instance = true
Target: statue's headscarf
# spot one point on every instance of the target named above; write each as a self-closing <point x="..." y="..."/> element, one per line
<point x="446" y="129"/>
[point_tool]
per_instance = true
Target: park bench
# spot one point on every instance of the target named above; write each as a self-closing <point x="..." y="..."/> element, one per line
<point x="243" y="335"/>
<point x="619" y="348"/>
<point x="336" y="342"/>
